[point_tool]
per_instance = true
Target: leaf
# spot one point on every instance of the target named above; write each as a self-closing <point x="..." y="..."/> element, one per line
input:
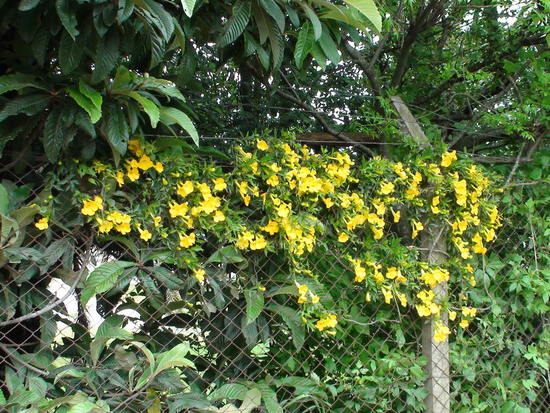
<point x="70" y="53"/>
<point x="188" y="6"/>
<point x="270" y="398"/>
<point x="252" y="399"/>
<point x="110" y="329"/>
<point x="277" y="45"/>
<point x="16" y="81"/>
<point x="107" y="56"/>
<point x="28" y="104"/>
<point x="184" y="401"/>
<point x="54" y="134"/>
<point x="103" y="278"/>
<point x="175" y="357"/>
<point x="236" y="23"/>
<point x="167" y="277"/>
<point x="317" y="28"/>
<point x="116" y="128"/>
<point x="231" y="391"/>
<point x="26" y="5"/>
<point x="329" y="47"/>
<point x="254" y="304"/>
<point x="274" y="11"/>
<point x="148" y="106"/>
<point x="169" y="116"/>
<point x="227" y="255"/>
<point x="294" y="322"/>
<point x="303" y="44"/>
<point x="83" y="407"/>
<point x="67" y="17"/>
<point x="85" y="103"/>
<point x="4" y="200"/>
<point x="369" y="9"/>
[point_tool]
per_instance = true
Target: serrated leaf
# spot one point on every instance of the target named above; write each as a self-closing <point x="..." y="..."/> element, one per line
<point x="294" y="322"/>
<point x="110" y="329"/>
<point x="4" y="200"/>
<point x="83" y="407"/>
<point x="70" y="53"/>
<point x="103" y="278"/>
<point x="16" y="81"/>
<point x="169" y="116"/>
<point x="67" y="17"/>
<point x="26" y="5"/>
<point x="275" y="12"/>
<point x="369" y="9"/>
<point x="28" y="104"/>
<point x="147" y="105"/>
<point x="93" y="111"/>
<point x="277" y="45"/>
<point x="269" y="398"/>
<point x="236" y="24"/>
<point x="254" y="304"/>
<point x="175" y="357"/>
<point x="53" y="135"/>
<point x="317" y="28"/>
<point x="303" y="44"/>
<point x="106" y="56"/>
<point x="116" y="128"/>
<point x="329" y="46"/>
<point x="231" y="391"/>
<point x="188" y="6"/>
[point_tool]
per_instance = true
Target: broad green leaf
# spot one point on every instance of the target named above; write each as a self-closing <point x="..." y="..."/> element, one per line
<point x="107" y="56"/>
<point x="236" y="23"/>
<point x="319" y="55"/>
<point x="28" y="104"/>
<point x="166" y="277"/>
<point x="2" y="398"/>
<point x="116" y="128"/>
<point x="277" y="45"/>
<point x="54" y="134"/>
<point x="252" y="399"/>
<point x="317" y="28"/>
<point x="303" y="44"/>
<point x="369" y="9"/>
<point x="83" y="407"/>
<point x="275" y="12"/>
<point x="188" y="6"/>
<point x="155" y="407"/>
<point x="70" y="53"/>
<point x="16" y="81"/>
<point x="161" y="19"/>
<point x="103" y="278"/>
<point x="269" y="398"/>
<point x="110" y="329"/>
<point x="4" y="200"/>
<point x="93" y="111"/>
<point x="228" y="255"/>
<point x="148" y="106"/>
<point x="175" y="357"/>
<point x="329" y="46"/>
<point x="294" y="322"/>
<point x="25" y="5"/>
<point x="169" y="116"/>
<point x="254" y="304"/>
<point x="67" y="17"/>
<point x="231" y="391"/>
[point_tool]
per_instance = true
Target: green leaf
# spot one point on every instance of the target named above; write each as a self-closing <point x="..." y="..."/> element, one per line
<point x="231" y="391"/>
<point x="83" y="407"/>
<point x="270" y="398"/>
<point x="116" y="129"/>
<point x="67" y="17"/>
<point x="303" y="44"/>
<point x="329" y="47"/>
<point x="148" y="106"/>
<point x="254" y="304"/>
<point x="277" y="45"/>
<point x="227" y="255"/>
<point x="85" y="103"/>
<point x="317" y="28"/>
<point x="28" y="104"/>
<point x="110" y="329"/>
<point x="175" y="357"/>
<point x="16" y="81"/>
<point x="274" y="11"/>
<point x="107" y="56"/>
<point x="70" y="53"/>
<point x="294" y="322"/>
<point x="188" y="6"/>
<point x="54" y="134"/>
<point x="26" y="5"/>
<point x="236" y="23"/>
<point x="369" y="9"/>
<point x="103" y="278"/>
<point x="4" y="200"/>
<point x="169" y="116"/>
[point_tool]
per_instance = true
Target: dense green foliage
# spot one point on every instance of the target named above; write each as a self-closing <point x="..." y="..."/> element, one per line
<point x="79" y="79"/>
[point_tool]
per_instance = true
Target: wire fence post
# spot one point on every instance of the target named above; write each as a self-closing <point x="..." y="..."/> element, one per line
<point x="433" y="243"/>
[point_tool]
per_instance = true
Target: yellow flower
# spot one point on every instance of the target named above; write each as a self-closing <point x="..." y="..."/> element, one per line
<point x="274" y="167"/>
<point x="119" y="218"/>
<point x="273" y="180"/>
<point x="469" y="311"/>
<point x="327" y="322"/>
<point x="90" y="206"/>
<point x="178" y="210"/>
<point x="156" y="221"/>
<point x="441" y="332"/>
<point x="377" y="232"/>
<point x="104" y="225"/>
<point x="120" y="178"/>
<point x="343" y="237"/>
<point x="328" y="202"/>
<point x="123" y="228"/>
<point x="219" y="184"/>
<point x="262" y="145"/>
<point x="210" y="204"/>
<point x="283" y="210"/>
<point x="417" y="227"/>
<point x="464" y="324"/>
<point x="187" y="241"/>
<point x="478" y="247"/>
<point x="135" y="147"/>
<point x="185" y="188"/>
<point x="452" y="315"/>
<point x="258" y="243"/>
<point x="398" y="169"/>
<point x="144" y="234"/>
<point x="396" y="215"/>
<point x="159" y="167"/>
<point x="302" y="289"/>
<point x="145" y="163"/>
<point x="360" y="272"/>
<point x="219" y="216"/>
<point x="199" y="275"/>
<point x="386" y="188"/>
<point x="244" y="239"/>
<point x="42" y="224"/>
<point x="423" y="310"/>
<point x="434" y="206"/>
<point x="271" y="228"/>
<point x="412" y="192"/>
<point x="461" y="192"/>
<point x="133" y="174"/>
<point x="447" y="158"/>
<point x="402" y="299"/>
<point x="387" y="295"/>
<point x="314" y="298"/>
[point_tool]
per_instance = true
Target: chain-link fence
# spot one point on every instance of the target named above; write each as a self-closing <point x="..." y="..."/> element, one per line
<point x="154" y="340"/>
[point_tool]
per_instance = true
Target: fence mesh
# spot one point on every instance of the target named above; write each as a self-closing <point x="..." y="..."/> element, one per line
<point x="52" y="345"/>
